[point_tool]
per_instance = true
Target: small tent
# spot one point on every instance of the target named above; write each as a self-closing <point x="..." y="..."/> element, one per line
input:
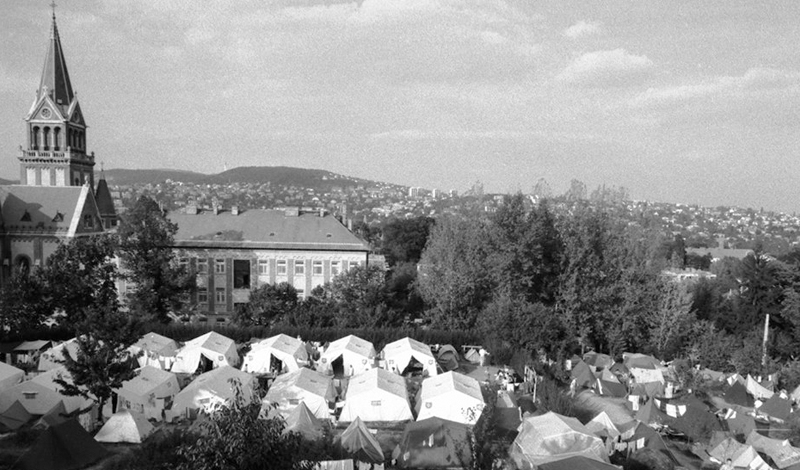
<point x="597" y="360"/>
<point x="281" y="352"/>
<point x="780" y="451"/>
<point x="14" y="417"/>
<point x="434" y="443"/>
<point x="582" y="375"/>
<point x="736" y="394"/>
<point x="602" y="426"/>
<point x="149" y="392"/>
<point x="738" y="421"/>
<point x="447" y="357"/>
<point x="125" y="426"/>
<point x="41" y="394"/>
<point x="637" y="435"/>
<point x="359" y="442"/>
<point x="741" y="455"/>
<point x="757" y="390"/>
<point x="56" y="415"/>
<point x="348" y="356"/>
<point x="608" y="388"/>
<point x="376" y="395"/>
<point x="212" y="389"/>
<point x="302" y="421"/>
<point x="10" y="376"/>
<point x="552" y="437"/>
<point x="305" y="385"/>
<point x="155" y="350"/>
<point x="641" y="361"/>
<point x="49" y="359"/>
<point x="65" y="446"/>
<point x="451" y="396"/>
<point x="400" y="354"/>
<point x="776" y="408"/>
<point x="205" y="352"/>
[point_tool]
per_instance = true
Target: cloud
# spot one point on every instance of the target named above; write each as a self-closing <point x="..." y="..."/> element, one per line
<point x="605" y="68"/>
<point x="582" y="29"/>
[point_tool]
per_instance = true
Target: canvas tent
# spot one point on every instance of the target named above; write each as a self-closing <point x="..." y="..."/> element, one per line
<point x="211" y="389"/>
<point x="597" y="360"/>
<point x="281" y="353"/>
<point x="582" y="375"/>
<point x="49" y="359"/>
<point x="150" y="392"/>
<point x="209" y="351"/>
<point x="741" y="455"/>
<point x="376" y="395"/>
<point x="156" y="351"/>
<point x="361" y="444"/>
<point x="609" y="388"/>
<point x="756" y="389"/>
<point x="400" y="354"/>
<point x="780" y="451"/>
<point x="306" y="386"/>
<point x="637" y="435"/>
<point x="28" y="352"/>
<point x="602" y="426"/>
<point x="434" y="443"/>
<point x="10" y="376"/>
<point x="552" y="437"/>
<point x="736" y="394"/>
<point x="447" y="357"/>
<point x="65" y="446"/>
<point x="451" y="396"/>
<point x="40" y="395"/>
<point x="125" y="426"/>
<point x="14" y="417"/>
<point x="301" y="420"/>
<point x="776" y="408"/>
<point x="56" y="415"/>
<point x="349" y="356"/>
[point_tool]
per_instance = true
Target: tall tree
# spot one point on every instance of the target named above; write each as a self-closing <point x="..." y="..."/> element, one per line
<point x="404" y="239"/>
<point x="146" y="238"/>
<point x="672" y="321"/>
<point x="268" y="303"/>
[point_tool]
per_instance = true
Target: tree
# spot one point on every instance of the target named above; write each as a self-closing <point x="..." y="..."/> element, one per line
<point x="360" y="298"/>
<point x="21" y="303"/>
<point x="146" y="238"/>
<point x="404" y="239"/>
<point x="267" y="304"/>
<point x="672" y="321"/>
<point x="237" y="437"/>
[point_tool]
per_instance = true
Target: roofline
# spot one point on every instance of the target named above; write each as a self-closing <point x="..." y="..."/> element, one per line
<point x="317" y="246"/>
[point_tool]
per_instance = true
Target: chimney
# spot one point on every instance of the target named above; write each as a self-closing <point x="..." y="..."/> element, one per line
<point x="234" y="210"/>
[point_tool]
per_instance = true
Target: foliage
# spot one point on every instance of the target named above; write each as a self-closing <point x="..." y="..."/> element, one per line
<point x="551" y="397"/>
<point x="236" y="437"/>
<point x="671" y="321"/>
<point x="359" y="297"/>
<point x="146" y="238"/>
<point x="268" y="303"/>
<point x="404" y="239"/>
<point x="21" y="305"/>
<point x="156" y="453"/>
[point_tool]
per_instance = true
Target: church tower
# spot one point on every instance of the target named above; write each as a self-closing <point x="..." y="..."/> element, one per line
<point x="56" y="145"/>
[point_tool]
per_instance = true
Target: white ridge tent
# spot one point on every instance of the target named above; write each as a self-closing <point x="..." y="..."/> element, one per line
<point x="376" y="395"/>
<point x="10" y="376"/>
<point x="211" y="389"/>
<point x="49" y="358"/>
<point x="452" y="396"/>
<point x="291" y="352"/>
<point x="156" y="350"/>
<point x="350" y="355"/>
<point x="215" y="348"/>
<point x="552" y="437"/>
<point x="398" y="355"/>
<point x="306" y="386"/>
<point x="125" y="426"/>
<point x="149" y="392"/>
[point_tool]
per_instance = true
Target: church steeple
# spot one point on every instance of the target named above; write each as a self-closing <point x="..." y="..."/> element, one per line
<point x="56" y="152"/>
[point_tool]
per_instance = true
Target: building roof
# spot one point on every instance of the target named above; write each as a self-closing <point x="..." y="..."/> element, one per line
<point x="269" y="229"/>
<point x="105" y="203"/>
<point x="51" y="210"/>
<point x="55" y="78"/>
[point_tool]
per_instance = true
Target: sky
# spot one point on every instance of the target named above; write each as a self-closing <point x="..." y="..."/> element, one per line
<point x="676" y="100"/>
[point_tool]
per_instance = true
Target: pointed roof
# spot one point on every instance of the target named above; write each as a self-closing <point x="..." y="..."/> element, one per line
<point x="358" y="441"/>
<point x="14" y="417"/>
<point x="125" y="426"/>
<point x="302" y="421"/>
<point x="61" y="447"/>
<point x="102" y="195"/>
<point x="55" y="78"/>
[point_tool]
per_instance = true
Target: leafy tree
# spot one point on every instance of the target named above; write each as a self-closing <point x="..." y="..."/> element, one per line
<point x="401" y="290"/>
<point x="404" y="239"/>
<point x="236" y="437"/>
<point x="360" y="299"/>
<point x="21" y="303"/>
<point x="268" y="303"/>
<point x="146" y="238"/>
<point x="672" y="321"/>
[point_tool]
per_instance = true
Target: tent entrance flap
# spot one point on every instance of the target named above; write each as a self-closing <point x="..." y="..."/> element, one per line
<point x="337" y="366"/>
<point x="414" y="367"/>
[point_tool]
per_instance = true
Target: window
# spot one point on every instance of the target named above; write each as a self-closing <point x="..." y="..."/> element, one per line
<point x="183" y="263"/>
<point x="219" y="266"/>
<point x="281" y="267"/>
<point x="241" y="274"/>
<point x="301" y="293"/>
<point x="219" y="297"/>
<point x="202" y="266"/>
<point x="88" y="221"/>
<point x="336" y="268"/>
<point x="354" y="264"/>
<point x="263" y="267"/>
<point x="299" y="267"/>
<point x="202" y="296"/>
<point x="317" y="268"/>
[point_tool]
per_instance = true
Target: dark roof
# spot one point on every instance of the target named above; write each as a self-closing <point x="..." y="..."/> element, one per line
<point x="42" y="209"/>
<point x="268" y="229"/>
<point x="54" y="73"/>
<point x="64" y="446"/>
<point x="105" y="203"/>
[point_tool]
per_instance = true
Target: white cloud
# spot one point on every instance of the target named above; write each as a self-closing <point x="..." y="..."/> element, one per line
<point x="605" y="68"/>
<point x="581" y="29"/>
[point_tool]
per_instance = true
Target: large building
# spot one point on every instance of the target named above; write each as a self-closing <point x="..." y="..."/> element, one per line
<point x="56" y="199"/>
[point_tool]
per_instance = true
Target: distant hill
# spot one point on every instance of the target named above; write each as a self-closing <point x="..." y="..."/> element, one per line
<point x="288" y="176"/>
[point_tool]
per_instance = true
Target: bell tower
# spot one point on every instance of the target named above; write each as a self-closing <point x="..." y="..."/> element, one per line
<point x="56" y="145"/>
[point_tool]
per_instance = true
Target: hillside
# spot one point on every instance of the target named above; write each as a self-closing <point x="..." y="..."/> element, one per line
<point x="120" y="176"/>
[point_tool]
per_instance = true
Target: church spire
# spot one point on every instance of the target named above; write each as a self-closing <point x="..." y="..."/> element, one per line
<point x="55" y="78"/>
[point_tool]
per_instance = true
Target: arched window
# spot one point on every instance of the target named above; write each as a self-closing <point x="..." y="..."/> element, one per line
<point x="35" y="138"/>
<point x="56" y="138"/>
<point x="46" y="138"/>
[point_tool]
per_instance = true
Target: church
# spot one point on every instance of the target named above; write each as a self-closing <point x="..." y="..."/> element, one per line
<point x="56" y="199"/>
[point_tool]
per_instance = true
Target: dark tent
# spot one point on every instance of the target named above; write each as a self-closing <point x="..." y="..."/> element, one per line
<point x="14" y="417"/>
<point x="434" y="443"/>
<point x="647" y="389"/>
<point x="447" y="357"/>
<point x="56" y="415"/>
<point x="302" y="421"/>
<point x="640" y="361"/>
<point x="607" y="388"/>
<point x="737" y="394"/>
<point x="652" y="440"/>
<point x="583" y="375"/>
<point x="64" y="446"/>
<point x="578" y="462"/>
<point x="697" y="423"/>
<point x="601" y="361"/>
<point x="360" y="444"/>
<point x="741" y="422"/>
<point x="650" y="414"/>
<point x="776" y="407"/>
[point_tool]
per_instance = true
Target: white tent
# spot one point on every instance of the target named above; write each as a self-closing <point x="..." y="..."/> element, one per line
<point x="211" y="389"/>
<point x="290" y="351"/>
<point x="398" y="356"/>
<point x="149" y="392"/>
<point x="212" y="346"/>
<point x="125" y="426"/>
<point x="156" y="351"/>
<point x="551" y="437"/>
<point x="49" y="358"/>
<point x="602" y="426"/>
<point x="10" y="376"/>
<point x="41" y="394"/>
<point x="356" y="356"/>
<point x="452" y="396"/>
<point x="376" y="395"/>
<point x="303" y="385"/>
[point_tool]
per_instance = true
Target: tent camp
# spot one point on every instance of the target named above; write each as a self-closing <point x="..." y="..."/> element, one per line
<point x="206" y="352"/>
<point x="278" y="353"/>
<point x="14" y="417"/>
<point x="211" y="389"/>
<point x="301" y="420"/>
<point x="741" y="455"/>
<point x="10" y="376"/>
<point x="304" y="385"/>
<point x="780" y="451"/>
<point x="125" y="426"/>
<point x="434" y="443"/>
<point x="149" y="393"/>
<point x="348" y="356"/>
<point x="552" y="437"/>
<point x="49" y="359"/>
<point x="403" y="354"/>
<point x="155" y="350"/>
<point x="447" y="357"/>
<point x="358" y="442"/>
<point x="62" y="447"/>
<point x="376" y="395"/>
<point x="450" y="396"/>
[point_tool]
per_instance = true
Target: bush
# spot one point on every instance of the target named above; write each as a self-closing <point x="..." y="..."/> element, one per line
<point x="157" y="452"/>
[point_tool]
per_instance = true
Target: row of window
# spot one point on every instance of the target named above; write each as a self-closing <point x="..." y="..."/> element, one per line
<point x="219" y="296"/>
<point x="282" y="267"/>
